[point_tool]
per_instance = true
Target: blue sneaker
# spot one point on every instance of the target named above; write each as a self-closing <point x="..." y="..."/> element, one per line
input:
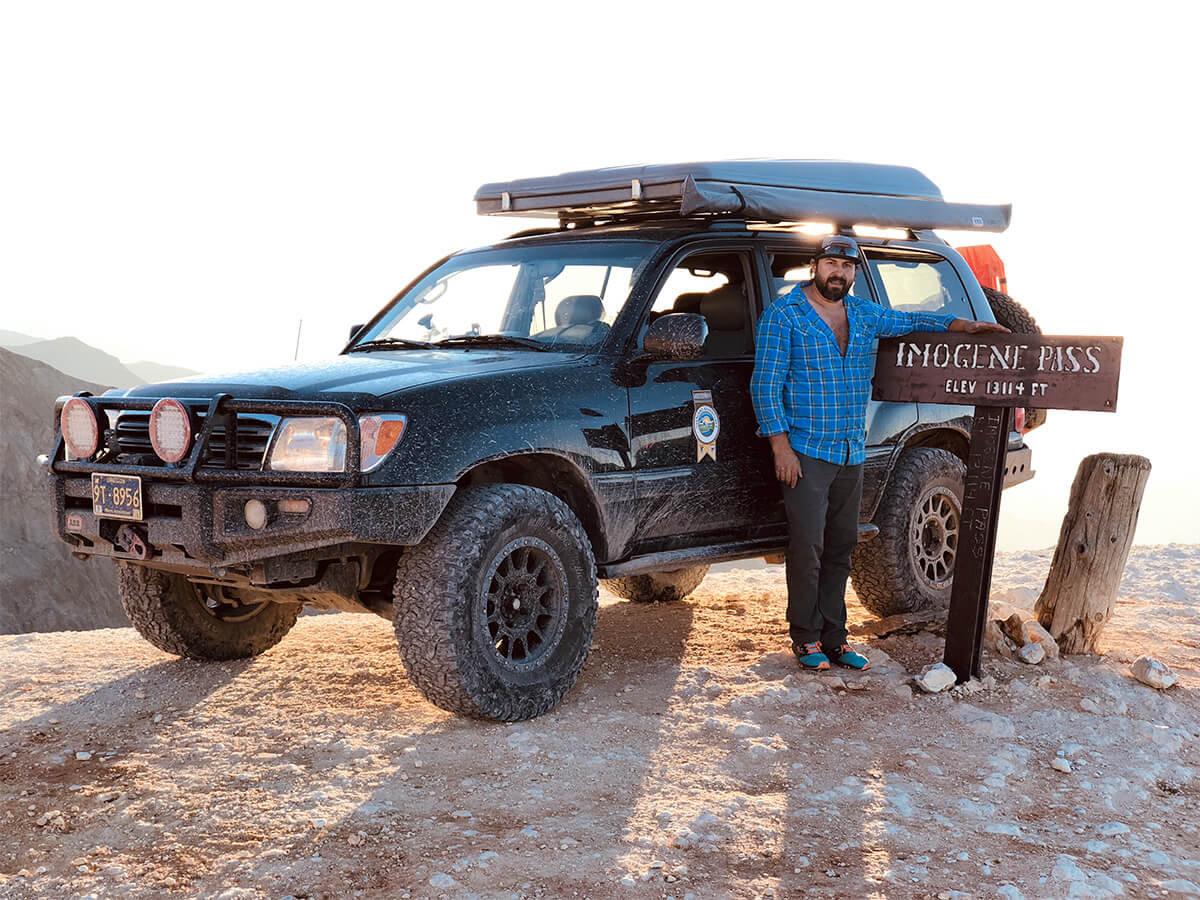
<point x="811" y="657"/>
<point x="847" y="656"/>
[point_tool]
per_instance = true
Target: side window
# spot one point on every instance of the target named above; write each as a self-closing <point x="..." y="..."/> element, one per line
<point x="716" y="286"/>
<point x="921" y="284"/>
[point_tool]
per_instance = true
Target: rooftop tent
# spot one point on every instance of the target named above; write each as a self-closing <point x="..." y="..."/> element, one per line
<point x="844" y="193"/>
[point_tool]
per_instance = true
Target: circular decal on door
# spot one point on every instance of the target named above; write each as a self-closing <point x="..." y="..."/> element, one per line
<point x="706" y="425"/>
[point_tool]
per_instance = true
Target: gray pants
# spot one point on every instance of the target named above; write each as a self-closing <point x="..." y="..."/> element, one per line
<point x="822" y="511"/>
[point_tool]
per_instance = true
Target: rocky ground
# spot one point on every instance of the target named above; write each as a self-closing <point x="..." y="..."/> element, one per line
<point x="691" y="760"/>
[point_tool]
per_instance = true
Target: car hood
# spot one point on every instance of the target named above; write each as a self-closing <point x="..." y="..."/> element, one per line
<point x="356" y="375"/>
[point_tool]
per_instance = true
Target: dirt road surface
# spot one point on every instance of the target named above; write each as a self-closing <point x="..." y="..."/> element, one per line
<point x="691" y="759"/>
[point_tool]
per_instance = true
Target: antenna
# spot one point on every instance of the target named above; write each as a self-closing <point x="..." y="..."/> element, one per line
<point x="296" y="355"/>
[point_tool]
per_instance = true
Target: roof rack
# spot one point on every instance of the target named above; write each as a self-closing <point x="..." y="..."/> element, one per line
<point x="772" y="191"/>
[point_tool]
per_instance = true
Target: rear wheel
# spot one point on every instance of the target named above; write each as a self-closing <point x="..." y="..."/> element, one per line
<point x="494" y="611"/>
<point x="658" y="587"/>
<point x="201" y="621"/>
<point x="909" y="565"/>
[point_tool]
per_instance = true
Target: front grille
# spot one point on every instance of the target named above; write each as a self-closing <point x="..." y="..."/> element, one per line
<point x="251" y="436"/>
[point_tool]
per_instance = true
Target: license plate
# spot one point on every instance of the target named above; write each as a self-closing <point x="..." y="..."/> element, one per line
<point x="117" y="496"/>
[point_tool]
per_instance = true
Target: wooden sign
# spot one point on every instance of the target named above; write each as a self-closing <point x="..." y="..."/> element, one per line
<point x="1030" y="370"/>
<point x="995" y="373"/>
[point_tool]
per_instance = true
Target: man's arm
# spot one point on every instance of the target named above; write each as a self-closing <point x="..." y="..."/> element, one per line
<point x="771" y="362"/>
<point x="895" y="322"/>
<point x="972" y="326"/>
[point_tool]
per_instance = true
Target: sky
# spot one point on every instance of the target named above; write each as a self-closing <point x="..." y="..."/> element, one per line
<point x="187" y="183"/>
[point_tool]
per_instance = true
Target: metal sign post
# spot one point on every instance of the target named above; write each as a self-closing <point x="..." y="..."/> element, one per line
<point x="996" y="373"/>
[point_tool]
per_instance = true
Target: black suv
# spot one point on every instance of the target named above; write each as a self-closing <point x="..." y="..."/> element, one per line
<point x="568" y="405"/>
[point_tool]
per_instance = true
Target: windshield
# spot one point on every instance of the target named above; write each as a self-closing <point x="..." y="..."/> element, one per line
<point x="563" y="296"/>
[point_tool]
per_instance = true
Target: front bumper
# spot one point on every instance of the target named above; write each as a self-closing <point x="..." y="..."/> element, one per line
<point x="200" y="524"/>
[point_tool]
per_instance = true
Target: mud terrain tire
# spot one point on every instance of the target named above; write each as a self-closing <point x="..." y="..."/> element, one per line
<point x="1016" y="318"/>
<point x="657" y="587"/>
<point x="171" y="613"/>
<point x="909" y="565"/>
<point x="494" y="611"/>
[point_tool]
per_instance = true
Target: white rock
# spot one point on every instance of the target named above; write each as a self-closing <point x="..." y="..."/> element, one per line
<point x="83" y="754"/>
<point x="936" y="678"/>
<point x="441" y="880"/>
<point x="1032" y="654"/>
<point x="1108" y="829"/>
<point x="1149" y="670"/>
<point x="1059" y="764"/>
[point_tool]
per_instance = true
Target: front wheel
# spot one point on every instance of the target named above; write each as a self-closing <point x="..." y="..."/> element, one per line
<point x="494" y="611"/>
<point x="201" y="621"/>
<point x="909" y="565"/>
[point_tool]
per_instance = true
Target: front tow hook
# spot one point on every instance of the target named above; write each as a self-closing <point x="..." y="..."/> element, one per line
<point x="132" y="542"/>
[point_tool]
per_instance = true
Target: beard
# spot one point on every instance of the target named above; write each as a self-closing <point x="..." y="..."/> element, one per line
<point x="832" y="289"/>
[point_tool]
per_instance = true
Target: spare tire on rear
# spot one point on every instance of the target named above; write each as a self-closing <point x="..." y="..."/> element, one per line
<point x="1016" y="318"/>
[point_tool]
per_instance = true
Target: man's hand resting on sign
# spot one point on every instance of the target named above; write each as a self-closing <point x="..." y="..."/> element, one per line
<point x="970" y="326"/>
<point x="787" y="463"/>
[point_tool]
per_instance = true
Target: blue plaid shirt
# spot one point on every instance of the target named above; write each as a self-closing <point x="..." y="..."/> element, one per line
<point x="804" y="386"/>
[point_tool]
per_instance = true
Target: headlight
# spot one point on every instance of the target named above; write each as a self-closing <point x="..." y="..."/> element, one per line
<point x="309" y="445"/>
<point x="319" y="444"/>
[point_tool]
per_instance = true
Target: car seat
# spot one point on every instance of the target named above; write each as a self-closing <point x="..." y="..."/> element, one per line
<point x="725" y="311"/>
<point x="576" y="320"/>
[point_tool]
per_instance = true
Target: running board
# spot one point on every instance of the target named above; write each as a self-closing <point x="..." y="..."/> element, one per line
<point x="771" y="549"/>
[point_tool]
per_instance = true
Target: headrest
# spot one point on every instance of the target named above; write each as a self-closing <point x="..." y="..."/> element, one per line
<point x="688" y="303"/>
<point x="724" y="309"/>
<point x="578" y="309"/>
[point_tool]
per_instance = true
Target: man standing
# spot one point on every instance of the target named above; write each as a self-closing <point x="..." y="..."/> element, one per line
<point x="812" y="380"/>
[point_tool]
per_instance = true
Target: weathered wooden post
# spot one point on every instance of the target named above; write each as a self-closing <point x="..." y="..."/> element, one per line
<point x="1094" y="543"/>
<point x="994" y="372"/>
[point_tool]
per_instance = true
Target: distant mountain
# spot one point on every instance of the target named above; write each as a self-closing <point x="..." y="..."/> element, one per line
<point x="151" y="372"/>
<point x="72" y="356"/>
<point x="42" y="587"/>
<point x="12" y="339"/>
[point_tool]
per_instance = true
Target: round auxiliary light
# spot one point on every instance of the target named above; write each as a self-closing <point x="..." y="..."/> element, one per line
<point x="256" y="514"/>
<point x="170" y="430"/>
<point x="80" y="430"/>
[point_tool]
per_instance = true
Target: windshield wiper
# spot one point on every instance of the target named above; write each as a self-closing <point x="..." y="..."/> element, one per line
<point x="492" y="340"/>
<point x="391" y="343"/>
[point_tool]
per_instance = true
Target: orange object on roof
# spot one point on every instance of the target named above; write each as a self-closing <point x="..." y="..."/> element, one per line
<point x="987" y="265"/>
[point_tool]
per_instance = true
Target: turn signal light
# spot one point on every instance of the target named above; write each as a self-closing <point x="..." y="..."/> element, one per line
<point x="380" y="435"/>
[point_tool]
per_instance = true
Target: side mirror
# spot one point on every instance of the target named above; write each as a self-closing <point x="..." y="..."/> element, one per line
<point x="355" y="329"/>
<point x="676" y="336"/>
